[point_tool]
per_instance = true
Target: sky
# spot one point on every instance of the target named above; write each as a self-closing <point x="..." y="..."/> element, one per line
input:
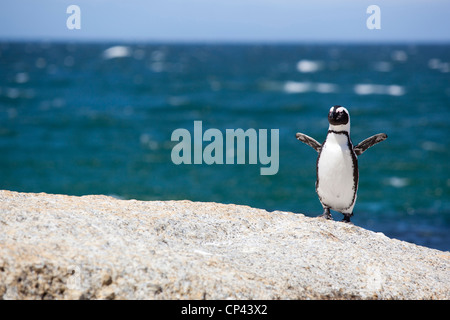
<point x="227" y="20"/>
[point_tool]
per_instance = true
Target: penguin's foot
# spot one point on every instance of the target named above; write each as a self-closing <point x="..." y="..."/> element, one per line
<point x="347" y="218"/>
<point x="326" y="214"/>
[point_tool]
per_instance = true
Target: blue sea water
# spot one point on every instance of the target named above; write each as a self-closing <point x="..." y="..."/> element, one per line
<point x="84" y="118"/>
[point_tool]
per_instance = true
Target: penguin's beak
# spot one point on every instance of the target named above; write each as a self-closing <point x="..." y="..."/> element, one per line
<point x="332" y="117"/>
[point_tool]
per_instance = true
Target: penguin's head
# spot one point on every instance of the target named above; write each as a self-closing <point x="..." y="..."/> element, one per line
<point x="339" y="118"/>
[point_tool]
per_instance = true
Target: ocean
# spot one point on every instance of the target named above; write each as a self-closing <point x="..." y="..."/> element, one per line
<point x="97" y="118"/>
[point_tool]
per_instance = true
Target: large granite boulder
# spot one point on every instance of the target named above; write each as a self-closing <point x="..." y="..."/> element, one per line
<point x="99" y="247"/>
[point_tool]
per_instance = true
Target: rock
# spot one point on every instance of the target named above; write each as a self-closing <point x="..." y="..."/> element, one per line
<point x="99" y="247"/>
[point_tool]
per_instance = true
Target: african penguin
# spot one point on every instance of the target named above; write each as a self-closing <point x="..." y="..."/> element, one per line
<point x="337" y="164"/>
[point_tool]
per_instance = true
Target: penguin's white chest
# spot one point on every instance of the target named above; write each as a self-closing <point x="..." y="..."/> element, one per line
<point x="336" y="181"/>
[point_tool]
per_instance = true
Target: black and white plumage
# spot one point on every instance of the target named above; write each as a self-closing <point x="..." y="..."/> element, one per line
<point x="337" y="164"/>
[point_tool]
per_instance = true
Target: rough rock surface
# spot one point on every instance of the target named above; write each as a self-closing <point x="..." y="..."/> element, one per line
<point x="98" y="247"/>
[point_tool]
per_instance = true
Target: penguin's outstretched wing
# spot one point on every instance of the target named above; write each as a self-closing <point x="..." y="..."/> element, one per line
<point x="369" y="142"/>
<point x="309" y="141"/>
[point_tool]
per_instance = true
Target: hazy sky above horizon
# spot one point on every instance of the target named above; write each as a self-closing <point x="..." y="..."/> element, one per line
<point x="227" y="20"/>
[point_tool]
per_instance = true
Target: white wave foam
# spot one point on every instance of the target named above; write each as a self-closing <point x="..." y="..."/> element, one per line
<point x="397" y="182"/>
<point x="395" y="90"/>
<point x="296" y="87"/>
<point x="116" y="52"/>
<point x="433" y="146"/>
<point x="434" y="63"/>
<point x="445" y="67"/>
<point x="22" y="77"/>
<point x="302" y="87"/>
<point x="392" y="90"/>
<point x="306" y="66"/>
<point x="399" y="55"/>
<point x="326" y="87"/>
<point x="437" y="64"/>
<point x="12" y="93"/>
